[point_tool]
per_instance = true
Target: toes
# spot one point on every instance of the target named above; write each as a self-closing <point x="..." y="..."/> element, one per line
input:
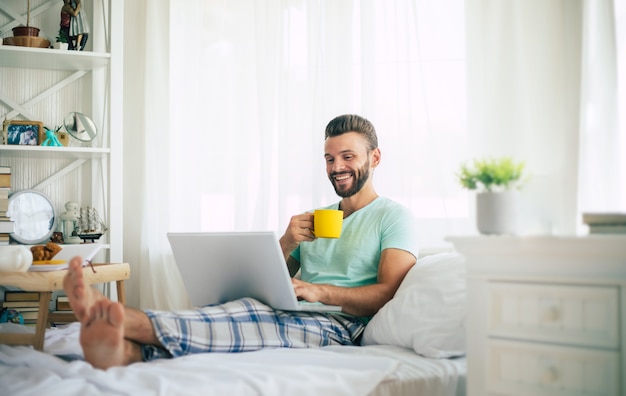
<point x="105" y="310"/>
<point x="76" y="262"/>
<point x="78" y="291"/>
<point x="116" y="314"/>
<point x="95" y="313"/>
<point x="99" y="310"/>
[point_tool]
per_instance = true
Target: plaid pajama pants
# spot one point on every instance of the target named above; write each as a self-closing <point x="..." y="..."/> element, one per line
<point x="246" y="325"/>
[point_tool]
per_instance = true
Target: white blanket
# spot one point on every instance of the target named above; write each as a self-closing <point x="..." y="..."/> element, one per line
<point x="24" y="371"/>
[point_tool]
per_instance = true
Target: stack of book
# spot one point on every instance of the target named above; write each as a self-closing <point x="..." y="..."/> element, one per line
<point x="6" y="225"/>
<point x="26" y="303"/>
<point x="605" y="223"/>
<point x="63" y="313"/>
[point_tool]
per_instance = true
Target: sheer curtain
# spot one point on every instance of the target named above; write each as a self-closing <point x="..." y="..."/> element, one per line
<point x="602" y="139"/>
<point x="234" y="96"/>
<point x="542" y="80"/>
<point x="265" y="78"/>
<point x="239" y="143"/>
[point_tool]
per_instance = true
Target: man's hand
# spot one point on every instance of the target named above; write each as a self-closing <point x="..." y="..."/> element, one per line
<point x="362" y="300"/>
<point x="307" y="291"/>
<point x="300" y="229"/>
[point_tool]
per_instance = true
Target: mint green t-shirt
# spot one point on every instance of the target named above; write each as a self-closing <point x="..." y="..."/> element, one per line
<point x="352" y="260"/>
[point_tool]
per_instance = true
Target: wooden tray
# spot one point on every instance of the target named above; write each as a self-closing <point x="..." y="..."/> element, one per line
<point x="27" y="41"/>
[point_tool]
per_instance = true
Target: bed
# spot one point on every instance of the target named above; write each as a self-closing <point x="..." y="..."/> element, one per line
<point x="413" y="346"/>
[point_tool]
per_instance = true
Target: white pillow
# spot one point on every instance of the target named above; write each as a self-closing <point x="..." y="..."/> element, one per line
<point x="428" y="311"/>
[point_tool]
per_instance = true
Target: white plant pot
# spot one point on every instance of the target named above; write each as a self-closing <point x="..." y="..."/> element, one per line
<point x="60" y="46"/>
<point x="497" y="213"/>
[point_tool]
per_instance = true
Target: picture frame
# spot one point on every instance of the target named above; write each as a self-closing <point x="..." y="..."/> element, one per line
<point x="22" y="133"/>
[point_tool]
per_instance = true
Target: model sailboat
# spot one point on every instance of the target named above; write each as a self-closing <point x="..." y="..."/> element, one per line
<point x="91" y="225"/>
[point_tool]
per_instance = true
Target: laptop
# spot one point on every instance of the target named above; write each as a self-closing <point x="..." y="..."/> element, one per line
<point x="221" y="267"/>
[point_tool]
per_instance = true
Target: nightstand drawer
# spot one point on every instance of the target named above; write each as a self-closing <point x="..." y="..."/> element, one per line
<point x="515" y="368"/>
<point x="576" y="315"/>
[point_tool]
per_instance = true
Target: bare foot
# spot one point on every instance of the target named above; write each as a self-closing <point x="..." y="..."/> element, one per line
<point x="81" y="296"/>
<point x="102" y="334"/>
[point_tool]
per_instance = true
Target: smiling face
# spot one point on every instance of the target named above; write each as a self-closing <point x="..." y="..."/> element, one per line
<point x="349" y="162"/>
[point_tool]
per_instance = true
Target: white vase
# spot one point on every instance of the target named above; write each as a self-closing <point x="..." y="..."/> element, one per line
<point x="60" y="46"/>
<point x="497" y="213"/>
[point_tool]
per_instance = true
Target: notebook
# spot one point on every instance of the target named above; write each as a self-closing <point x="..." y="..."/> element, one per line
<point x="87" y="251"/>
<point x="221" y="267"/>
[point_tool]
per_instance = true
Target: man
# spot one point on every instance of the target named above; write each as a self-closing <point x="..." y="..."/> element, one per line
<point x="360" y="272"/>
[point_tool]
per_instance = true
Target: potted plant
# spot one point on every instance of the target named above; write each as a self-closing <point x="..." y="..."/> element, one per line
<point x="63" y="40"/>
<point x="27" y="36"/>
<point x="26" y="30"/>
<point x="497" y="181"/>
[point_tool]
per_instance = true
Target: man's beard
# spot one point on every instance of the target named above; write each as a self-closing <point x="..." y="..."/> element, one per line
<point x="360" y="178"/>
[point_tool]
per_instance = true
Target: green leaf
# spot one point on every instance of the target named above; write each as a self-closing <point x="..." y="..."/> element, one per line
<point x="491" y="174"/>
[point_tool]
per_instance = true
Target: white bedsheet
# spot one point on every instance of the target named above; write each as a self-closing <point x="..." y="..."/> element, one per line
<point x="414" y="375"/>
<point x="375" y="370"/>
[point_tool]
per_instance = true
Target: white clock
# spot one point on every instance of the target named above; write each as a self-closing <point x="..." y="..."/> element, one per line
<point x="34" y="217"/>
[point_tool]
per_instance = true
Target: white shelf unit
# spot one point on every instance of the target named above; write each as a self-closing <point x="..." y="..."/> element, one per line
<point x="41" y="84"/>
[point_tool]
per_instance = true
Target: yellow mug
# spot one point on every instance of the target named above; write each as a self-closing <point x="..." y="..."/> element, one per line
<point x="327" y="223"/>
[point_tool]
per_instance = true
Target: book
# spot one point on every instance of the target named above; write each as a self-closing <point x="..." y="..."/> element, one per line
<point x="29" y="314"/>
<point x="607" y="228"/>
<point x="50" y="265"/>
<point x="4" y="204"/>
<point x="4" y="192"/>
<point x="21" y="296"/>
<point x="18" y="304"/>
<point x="61" y="317"/>
<point x="63" y="303"/>
<point x="26" y="309"/>
<point x="7" y="227"/>
<point x="604" y="218"/>
<point x="5" y="180"/>
<point x="5" y="170"/>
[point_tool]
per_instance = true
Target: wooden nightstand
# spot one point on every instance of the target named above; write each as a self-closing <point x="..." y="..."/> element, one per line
<point x="47" y="282"/>
<point x="545" y="315"/>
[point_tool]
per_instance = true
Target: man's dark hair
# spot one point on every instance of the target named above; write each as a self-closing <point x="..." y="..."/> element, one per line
<point x="352" y="123"/>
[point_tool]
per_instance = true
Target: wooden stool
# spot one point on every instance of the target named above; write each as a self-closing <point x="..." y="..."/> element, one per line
<point x="45" y="282"/>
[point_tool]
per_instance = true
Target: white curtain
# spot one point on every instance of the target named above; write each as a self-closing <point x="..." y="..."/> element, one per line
<point x="542" y="88"/>
<point x="258" y="82"/>
<point x="155" y="282"/>
<point x="234" y="96"/>
<point x="602" y="141"/>
<point x="237" y="96"/>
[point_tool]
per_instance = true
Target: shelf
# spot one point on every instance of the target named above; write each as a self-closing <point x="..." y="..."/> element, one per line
<point x="49" y="83"/>
<point x="46" y="58"/>
<point x="9" y="151"/>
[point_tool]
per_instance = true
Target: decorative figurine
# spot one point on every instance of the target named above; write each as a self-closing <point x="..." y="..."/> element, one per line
<point x="57" y="237"/>
<point x="69" y="223"/>
<point x="51" y="138"/>
<point x="64" y="26"/>
<point x="78" y="26"/>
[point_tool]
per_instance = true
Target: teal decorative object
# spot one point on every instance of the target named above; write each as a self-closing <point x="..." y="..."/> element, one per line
<point x="51" y="138"/>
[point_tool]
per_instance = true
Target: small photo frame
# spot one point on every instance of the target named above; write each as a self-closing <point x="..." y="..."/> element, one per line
<point x="22" y="133"/>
